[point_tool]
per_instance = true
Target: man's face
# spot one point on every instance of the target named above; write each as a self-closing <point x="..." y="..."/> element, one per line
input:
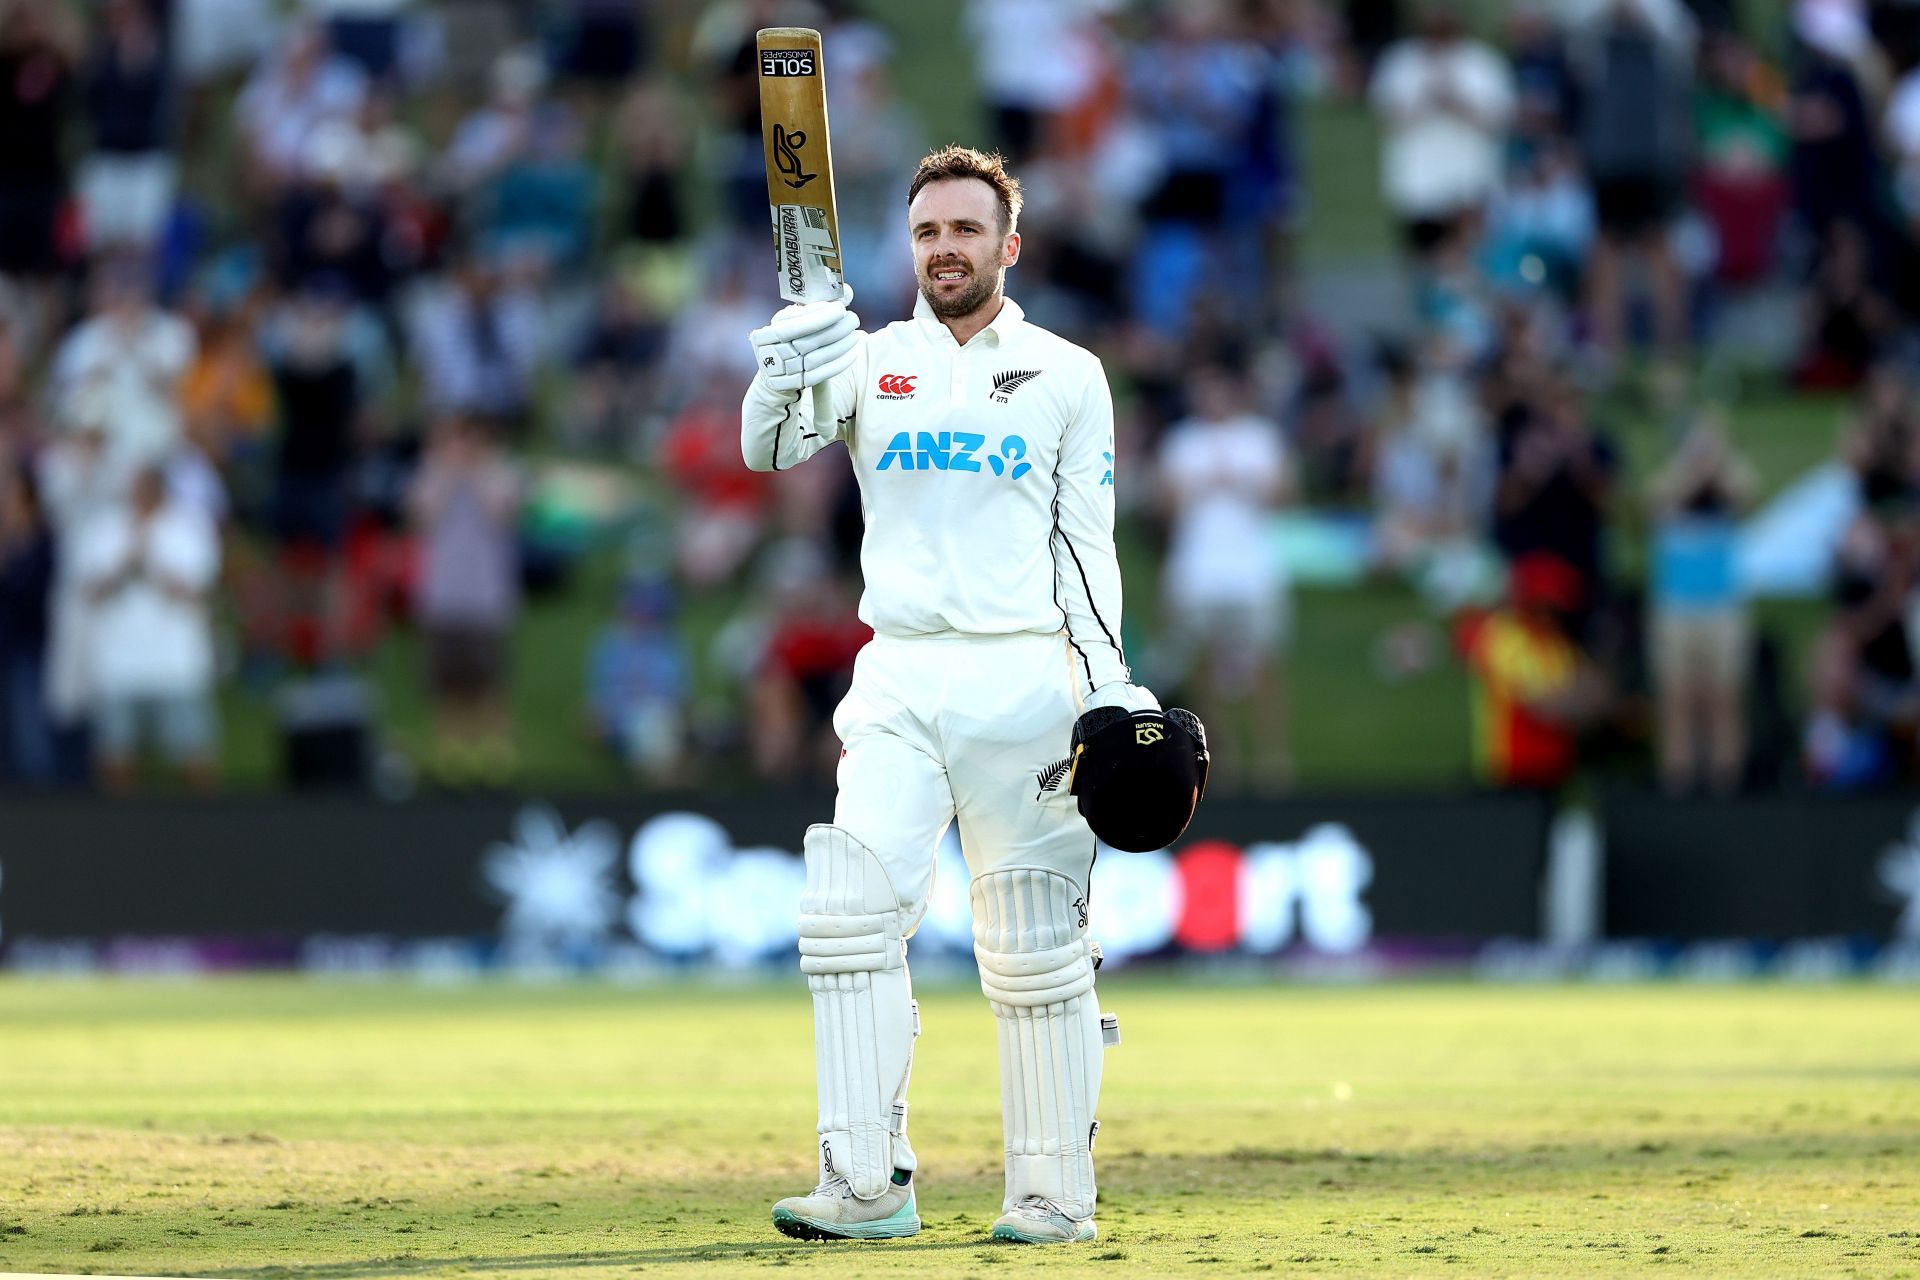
<point x="960" y="252"/>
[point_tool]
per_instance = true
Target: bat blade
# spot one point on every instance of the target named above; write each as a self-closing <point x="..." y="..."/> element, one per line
<point x="793" y="127"/>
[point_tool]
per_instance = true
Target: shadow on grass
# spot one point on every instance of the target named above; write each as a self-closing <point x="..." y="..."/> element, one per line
<point x="404" y="1264"/>
<point x="1148" y="1192"/>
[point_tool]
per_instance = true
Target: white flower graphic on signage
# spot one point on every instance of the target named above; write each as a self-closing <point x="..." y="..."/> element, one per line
<point x="1900" y="876"/>
<point x="558" y="887"/>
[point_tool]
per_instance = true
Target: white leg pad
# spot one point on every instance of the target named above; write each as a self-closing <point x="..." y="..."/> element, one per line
<point x="853" y="951"/>
<point x="1036" y="967"/>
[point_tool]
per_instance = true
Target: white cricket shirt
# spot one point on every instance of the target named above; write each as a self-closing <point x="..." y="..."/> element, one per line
<point x="986" y="480"/>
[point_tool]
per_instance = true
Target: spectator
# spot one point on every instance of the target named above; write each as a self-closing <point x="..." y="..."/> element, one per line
<point x="1866" y="691"/>
<point x="602" y="42"/>
<point x="539" y="209"/>
<point x="805" y="667"/>
<point x="1556" y="483"/>
<point x="477" y="338"/>
<point x="1701" y="633"/>
<point x="502" y="132"/>
<point x="226" y="396"/>
<point x="26" y="589"/>
<point x="367" y="33"/>
<point x="1847" y="323"/>
<point x="882" y="143"/>
<point x="1030" y="80"/>
<point x="1534" y="690"/>
<point x="1541" y="229"/>
<point x="134" y="354"/>
<point x="81" y="482"/>
<point x="638" y="684"/>
<point x="613" y="383"/>
<point x="1199" y="90"/>
<point x="1433" y="475"/>
<point x="1225" y="472"/>
<point x="148" y="568"/>
<point x="724" y="506"/>
<point x="1544" y="91"/>
<point x="1837" y="170"/>
<point x="1634" y="61"/>
<point x="1445" y="102"/>
<point x="723" y="46"/>
<point x="321" y="392"/>
<point x="127" y="184"/>
<point x="1741" y="178"/>
<point x="36" y="88"/>
<point x="651" y="128"/>
<point x="465" y="504"/>
<point x="291" y="94"/>
<point x="328" y="223"/>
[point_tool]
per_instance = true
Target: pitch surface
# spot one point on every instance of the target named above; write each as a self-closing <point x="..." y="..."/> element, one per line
<point x="268" y="1127"/>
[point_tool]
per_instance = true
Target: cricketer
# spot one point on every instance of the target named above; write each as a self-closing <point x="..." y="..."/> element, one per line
<point x="995" y="692"/>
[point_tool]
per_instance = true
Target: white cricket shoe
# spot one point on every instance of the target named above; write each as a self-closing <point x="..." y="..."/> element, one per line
<point x="833" y="1212"/>
<point x="1038" y="1220"/>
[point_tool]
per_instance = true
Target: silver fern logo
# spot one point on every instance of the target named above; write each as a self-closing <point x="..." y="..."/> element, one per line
<point x="1049" y="778"/>
<point x="1005" y="384"/>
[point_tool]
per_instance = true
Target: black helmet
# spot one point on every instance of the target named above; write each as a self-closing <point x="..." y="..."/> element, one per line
<point x="1139" y="775"/>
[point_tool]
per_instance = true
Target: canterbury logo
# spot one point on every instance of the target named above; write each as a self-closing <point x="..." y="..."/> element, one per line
<point x="786" y="156"/>
<point x="897" y="384"/>
<point x="1051" y="776"/>
<point x="1146" y="735"/>
<point x="1005" y="384"/>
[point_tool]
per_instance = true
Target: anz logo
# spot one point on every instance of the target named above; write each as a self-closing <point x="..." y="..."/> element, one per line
<point x="953" y="451"/>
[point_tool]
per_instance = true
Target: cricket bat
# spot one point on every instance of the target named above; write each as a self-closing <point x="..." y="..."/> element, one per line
<point x="793" y="124"/>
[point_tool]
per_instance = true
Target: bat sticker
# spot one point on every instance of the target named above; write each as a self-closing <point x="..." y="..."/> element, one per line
<point x="787" y="62"/>
<point x="786" y="155"/>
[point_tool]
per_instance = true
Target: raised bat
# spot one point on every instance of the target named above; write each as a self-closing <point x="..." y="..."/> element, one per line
<point x="793" y="125"/>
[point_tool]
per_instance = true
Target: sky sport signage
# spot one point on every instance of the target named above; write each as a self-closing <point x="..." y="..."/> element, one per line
<point x="689" y="893"/>
<point x="714" y="879"/>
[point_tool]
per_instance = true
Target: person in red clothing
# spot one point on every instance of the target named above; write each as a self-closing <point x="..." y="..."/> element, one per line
<point x="1534" y="688"/>
<point x="805" y="667"/>
<point x="723" y="512"/>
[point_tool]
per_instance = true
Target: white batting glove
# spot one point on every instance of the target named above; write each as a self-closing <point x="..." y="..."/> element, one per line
<point x="806" y="343"/>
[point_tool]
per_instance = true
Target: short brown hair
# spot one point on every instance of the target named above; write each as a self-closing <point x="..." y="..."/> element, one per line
<point x="989" y="167"/>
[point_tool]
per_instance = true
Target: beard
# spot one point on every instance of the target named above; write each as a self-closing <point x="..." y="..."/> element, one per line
<point x="978" y="289"/>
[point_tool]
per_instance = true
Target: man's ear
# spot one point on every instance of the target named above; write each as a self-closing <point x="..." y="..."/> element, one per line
<point x="1010" y="251"/>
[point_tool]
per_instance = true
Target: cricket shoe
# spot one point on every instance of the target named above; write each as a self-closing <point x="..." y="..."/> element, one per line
<point x="833" y="1212"/>
<point x="1038" y="1220"/>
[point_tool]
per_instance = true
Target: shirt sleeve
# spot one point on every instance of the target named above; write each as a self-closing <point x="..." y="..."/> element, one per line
<point x="1086" y="572"/>
<point x="782" y="429"/>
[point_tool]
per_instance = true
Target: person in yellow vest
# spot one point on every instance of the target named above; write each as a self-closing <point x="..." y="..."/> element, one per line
<point x="1534" y="688"/>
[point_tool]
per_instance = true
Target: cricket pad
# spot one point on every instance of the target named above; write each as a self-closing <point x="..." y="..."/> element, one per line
<point x="1139" y="775"/>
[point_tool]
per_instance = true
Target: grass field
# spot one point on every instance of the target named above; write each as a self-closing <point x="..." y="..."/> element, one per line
<point x="264" y="1127"/>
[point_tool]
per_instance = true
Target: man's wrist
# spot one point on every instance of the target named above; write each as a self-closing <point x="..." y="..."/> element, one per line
<point x="1118" y="693"/>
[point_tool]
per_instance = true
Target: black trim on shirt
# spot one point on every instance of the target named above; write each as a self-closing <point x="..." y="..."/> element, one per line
<point x="1066" y="620"/>
<point x="1112" y="643"/>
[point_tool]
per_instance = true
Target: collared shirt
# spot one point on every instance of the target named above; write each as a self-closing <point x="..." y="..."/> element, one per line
<point x="986" y="480"/>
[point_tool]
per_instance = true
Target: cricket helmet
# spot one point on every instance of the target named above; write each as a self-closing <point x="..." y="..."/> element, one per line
<point x="1138" y="775"/>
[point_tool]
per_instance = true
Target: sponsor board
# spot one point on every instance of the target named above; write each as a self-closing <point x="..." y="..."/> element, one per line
<point x="185" y="883"/>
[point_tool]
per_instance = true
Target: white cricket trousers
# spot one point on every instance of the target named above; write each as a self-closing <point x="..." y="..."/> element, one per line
<point x="973" y="729"/>
<point x="939" y="728"/>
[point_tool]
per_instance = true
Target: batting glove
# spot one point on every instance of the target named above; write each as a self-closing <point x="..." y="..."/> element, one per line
<point x="807" y="343"/>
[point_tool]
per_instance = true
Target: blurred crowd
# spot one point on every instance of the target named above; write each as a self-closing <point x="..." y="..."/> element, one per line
<point x="332" y="331"/>
<point x="1584" y="203"/>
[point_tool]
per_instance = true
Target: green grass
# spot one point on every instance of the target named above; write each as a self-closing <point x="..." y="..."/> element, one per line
<point x="276" y="1126"/>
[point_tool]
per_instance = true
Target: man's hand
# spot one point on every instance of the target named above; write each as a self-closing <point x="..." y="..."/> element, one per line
<point x="807" y="343"/>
